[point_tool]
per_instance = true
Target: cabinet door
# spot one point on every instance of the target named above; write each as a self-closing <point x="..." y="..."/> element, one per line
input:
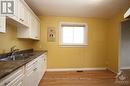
<point x="3" y="24"/>
<point x="42" y="66"/>
<point x="36" y="73"/>
<point x="29" y="20"/>
<point x="35" y="28"/>
<point x="45" y="63"/>
<point x="38" y="29"/>
<point x="31" y="74"/>
<point x="20" y="11"/>
<point x="14" y="79"/>
<point x="18" y="82"/>
<point x="16" y="8"/>
<point x="29" y="81"/>
<point x="25" y="16"/>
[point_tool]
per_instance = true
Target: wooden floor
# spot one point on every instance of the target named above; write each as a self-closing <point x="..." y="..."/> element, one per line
<point x="86" y="78"/>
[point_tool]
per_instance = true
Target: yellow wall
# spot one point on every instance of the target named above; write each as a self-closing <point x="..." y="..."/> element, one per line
<point x="113" y="41"/>
<point x="92" y="56"/>
<point x="102" y="49"/>
<point x="9" y="39"/>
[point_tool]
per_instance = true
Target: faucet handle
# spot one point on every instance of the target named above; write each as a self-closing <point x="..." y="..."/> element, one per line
<point x="12" y="48"/>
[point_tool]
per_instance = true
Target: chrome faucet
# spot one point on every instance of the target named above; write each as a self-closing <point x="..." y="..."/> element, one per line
<point x="12" y="48"/>
<point x="13" y="51"/>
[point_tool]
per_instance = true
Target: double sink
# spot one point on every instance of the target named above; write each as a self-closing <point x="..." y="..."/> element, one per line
<point x="22" y="56"/>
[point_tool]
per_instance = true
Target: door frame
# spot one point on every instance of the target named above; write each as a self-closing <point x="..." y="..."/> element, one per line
<point x="119" y="46"/>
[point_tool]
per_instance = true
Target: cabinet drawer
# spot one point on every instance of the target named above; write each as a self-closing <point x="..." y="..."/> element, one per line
<point x="12" y="77"/>
<point x="28" y="65"/>
<point x="31" y="66"/>
<point x="19" y="81"/>
<point x="29" y="69"/>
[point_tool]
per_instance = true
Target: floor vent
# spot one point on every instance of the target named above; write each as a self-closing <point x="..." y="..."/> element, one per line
<point x="79" y="71"/>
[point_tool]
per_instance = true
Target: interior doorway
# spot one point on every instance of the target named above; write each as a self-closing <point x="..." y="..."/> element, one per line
<point x="124" y="54"/>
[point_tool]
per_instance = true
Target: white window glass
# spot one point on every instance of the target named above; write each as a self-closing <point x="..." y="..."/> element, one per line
<point x="73" y="34"/>
<point x="78" y="35"/>
<point x="67" y="34"/>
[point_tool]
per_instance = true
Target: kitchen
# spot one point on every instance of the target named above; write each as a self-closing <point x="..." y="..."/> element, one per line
<point x="36" y="29"/>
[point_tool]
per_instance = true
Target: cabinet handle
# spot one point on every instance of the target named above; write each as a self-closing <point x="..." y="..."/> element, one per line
<point x="20" y="19"/>
<point x="7" y="83"/>
<point x="35" y="69"/>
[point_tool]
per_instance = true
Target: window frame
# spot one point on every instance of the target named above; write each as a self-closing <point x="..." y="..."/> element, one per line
<point x="73" y="44"/>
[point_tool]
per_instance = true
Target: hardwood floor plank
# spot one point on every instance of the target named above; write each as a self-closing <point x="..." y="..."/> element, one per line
<point x="86" y="78"/>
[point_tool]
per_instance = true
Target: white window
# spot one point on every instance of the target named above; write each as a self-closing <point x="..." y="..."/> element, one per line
<point x="73" y="34"/>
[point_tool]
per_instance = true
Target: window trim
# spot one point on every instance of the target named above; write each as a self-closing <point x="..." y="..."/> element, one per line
<point x="71" y="44"/>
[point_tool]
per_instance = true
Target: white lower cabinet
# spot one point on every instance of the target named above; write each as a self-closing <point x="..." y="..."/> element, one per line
<point x="14" y="79"/>
<point x="28" y="75"/>
<point x="29" y="79"/>
<point x="35" y="70"/>
<point x="31" y="72"/>
<point x="18" y="82"/>
<point x="42" y="66"/>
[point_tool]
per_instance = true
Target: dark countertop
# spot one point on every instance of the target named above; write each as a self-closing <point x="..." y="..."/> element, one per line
<point x="7" y="67"/>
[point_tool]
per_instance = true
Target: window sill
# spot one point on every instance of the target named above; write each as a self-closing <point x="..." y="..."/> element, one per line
<point x="72" y="45"/>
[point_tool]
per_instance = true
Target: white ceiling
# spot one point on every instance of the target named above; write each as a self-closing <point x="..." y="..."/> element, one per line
<point x="78" y="8"/>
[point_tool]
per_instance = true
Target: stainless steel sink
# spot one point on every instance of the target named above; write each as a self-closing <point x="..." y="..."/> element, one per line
<point x="6" y="59"/>
<point x="16" y="57"/>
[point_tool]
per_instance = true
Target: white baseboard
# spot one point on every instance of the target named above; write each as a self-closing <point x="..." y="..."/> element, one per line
<point x="125" y="68"/>
<point x="75" y="69"/>
<point x="111" y="70"/>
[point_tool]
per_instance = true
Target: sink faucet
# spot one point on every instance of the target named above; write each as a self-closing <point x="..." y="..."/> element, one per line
<point x="13" y="51"/>
<point x="12" y="48"/>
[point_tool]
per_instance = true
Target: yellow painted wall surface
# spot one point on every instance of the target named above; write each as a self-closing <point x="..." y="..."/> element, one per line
<point x="9" y="39"/>
<point x="92" y="56"/>
<point x="113" y="41"/>
<point x="102" y="49"/>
